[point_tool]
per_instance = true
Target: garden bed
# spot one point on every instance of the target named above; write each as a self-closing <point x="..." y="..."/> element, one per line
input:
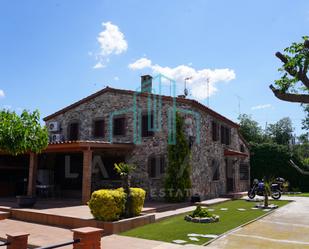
<point x="232" y="214"/>
<point x="127" y="224"/>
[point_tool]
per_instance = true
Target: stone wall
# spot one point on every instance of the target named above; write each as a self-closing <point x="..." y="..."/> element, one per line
<point x="203" y="153"/>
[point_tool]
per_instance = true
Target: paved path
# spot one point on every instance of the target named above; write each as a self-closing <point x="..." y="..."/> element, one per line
<point x="286" y="228"/>
<point x="41" y="235"/>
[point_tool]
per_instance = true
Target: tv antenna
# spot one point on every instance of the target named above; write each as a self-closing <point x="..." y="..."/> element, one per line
<point x="239" y="99"/>
<point x="208" y="92"/>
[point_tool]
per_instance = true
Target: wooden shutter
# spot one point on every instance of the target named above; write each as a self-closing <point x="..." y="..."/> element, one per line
<point x="119" y="126"/>
<point x="145" y="131"/>
<point x="98" y="129"/>
<point x="74" y="132"/>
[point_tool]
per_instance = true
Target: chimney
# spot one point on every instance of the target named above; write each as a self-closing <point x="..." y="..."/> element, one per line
<point x="146" y="83"/>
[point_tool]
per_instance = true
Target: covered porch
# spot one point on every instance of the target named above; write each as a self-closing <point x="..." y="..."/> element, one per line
<point x="75" y="168"/>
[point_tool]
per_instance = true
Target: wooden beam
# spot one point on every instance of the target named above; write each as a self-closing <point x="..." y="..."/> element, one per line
<point x="33" y="168"/>
<point x="87" y="172"/>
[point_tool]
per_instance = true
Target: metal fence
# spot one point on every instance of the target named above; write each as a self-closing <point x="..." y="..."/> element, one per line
<point x="5" y="244"/>
<point x="61" y="245"/>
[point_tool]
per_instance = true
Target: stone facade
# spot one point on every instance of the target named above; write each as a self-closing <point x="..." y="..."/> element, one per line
<point x="204" y="153"/>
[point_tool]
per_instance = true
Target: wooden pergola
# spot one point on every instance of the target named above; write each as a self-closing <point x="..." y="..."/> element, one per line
<point x="85" y="147"/>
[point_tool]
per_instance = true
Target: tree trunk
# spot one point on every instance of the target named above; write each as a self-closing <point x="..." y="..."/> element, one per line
<point x="266" y="199"/>
<point x="128" y="204"/>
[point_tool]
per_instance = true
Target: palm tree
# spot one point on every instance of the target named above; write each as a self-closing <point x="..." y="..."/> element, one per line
<point x="267" y="192"/>
<point x="125" y="170"/>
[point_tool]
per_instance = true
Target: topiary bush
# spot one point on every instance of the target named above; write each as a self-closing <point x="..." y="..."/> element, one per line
<point x="200" y="212"/>
<point x="138" y="199"/>
<point x="107" y="205"/>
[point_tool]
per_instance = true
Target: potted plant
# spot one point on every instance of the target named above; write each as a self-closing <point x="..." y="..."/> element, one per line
<point x="25" y="201"/>
<point x="21" y="134"/>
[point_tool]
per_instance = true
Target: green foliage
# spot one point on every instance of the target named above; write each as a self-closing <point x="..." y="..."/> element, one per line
<point x="138" y="199"/>
<point x="250" y="129"/>
<point x="281" y="132"/>
<point x="200" y="212"/>
<point x="272" y="160"/>
<point x="297" y="60"/>
<point x="305" y="121"/>
<point x="107" y="205"/>
<point x="177" y="181"/>
<point x="21" y="134"/>
<point x="125" y="170"/>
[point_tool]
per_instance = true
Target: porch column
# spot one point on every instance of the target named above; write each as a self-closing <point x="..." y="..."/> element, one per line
<point x="87" y="171"/>
<point x="33" y="167"/>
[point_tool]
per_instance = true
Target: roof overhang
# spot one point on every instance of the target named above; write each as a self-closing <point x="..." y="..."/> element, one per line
<point x="234" y="153"/>
<point x="77" y="146"/>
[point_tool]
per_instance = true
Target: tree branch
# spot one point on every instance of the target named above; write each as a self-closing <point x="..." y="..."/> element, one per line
<point x="306" y="44"/>
<point x="300" y="75"/>
<point x="282" y="57"/>
<point x="297" y="98"/>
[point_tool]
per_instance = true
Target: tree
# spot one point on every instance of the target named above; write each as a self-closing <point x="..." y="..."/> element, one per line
<point x="177" y="181"/>
<point x="125" y="170"/>
<point x="293" y="86"/>
<point x="22" y="134"/>
<point x="250" y="129"/>
<point x="281" y="132"/>
<point x="305" y="121"/>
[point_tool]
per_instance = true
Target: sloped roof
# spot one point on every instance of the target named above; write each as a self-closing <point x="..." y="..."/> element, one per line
<point x="191" y="102"/>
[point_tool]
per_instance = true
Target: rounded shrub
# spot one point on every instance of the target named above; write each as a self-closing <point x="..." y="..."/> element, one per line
<point x="107" y="205"/>
<point x="138" y="198"/>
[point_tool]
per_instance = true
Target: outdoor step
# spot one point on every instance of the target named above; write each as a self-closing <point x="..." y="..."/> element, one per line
<point x="4" y="215"/>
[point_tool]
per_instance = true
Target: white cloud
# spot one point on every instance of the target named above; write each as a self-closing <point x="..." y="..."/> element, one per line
<point x="140" y="64"/>
<point x="98" y="65"/>
<point x="116" y="78"/>
<point x="2" y="94"/>
<point x="111" y="41"/>
<point x="259" y="107"/>
<point x="198" y="85"/>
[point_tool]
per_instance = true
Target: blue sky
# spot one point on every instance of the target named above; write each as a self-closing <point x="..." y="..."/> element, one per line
<point x="49" y="49"/>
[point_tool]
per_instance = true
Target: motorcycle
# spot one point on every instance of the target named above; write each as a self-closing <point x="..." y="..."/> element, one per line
<point x="258" y="188"/>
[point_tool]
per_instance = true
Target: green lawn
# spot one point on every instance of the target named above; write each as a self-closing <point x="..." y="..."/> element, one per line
<point x="300" y="195"/>
<point x="175" y="228"/>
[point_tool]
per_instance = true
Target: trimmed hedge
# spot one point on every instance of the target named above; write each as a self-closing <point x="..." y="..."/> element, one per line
<point x="138" y="199"/>
<point x="109" y="205"/>
<point x="272" y="160"/>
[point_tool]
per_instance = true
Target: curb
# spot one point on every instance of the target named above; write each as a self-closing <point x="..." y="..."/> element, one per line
<point x="241" y="226"/>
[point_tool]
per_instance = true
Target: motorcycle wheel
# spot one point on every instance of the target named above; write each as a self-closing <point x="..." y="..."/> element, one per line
<point x="276" y="195"/>
<point x="251" y="194"/>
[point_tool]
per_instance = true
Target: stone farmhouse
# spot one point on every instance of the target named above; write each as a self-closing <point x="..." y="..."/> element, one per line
<point x="114" y="125"/>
